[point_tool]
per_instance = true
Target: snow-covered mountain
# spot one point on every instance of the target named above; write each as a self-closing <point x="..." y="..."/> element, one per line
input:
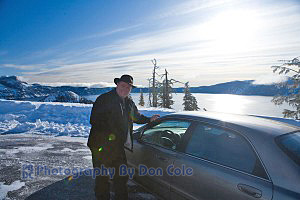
<point x="13" y="88"/>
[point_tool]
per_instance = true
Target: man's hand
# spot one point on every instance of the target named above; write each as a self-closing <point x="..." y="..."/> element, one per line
<point x="154" y="117"/>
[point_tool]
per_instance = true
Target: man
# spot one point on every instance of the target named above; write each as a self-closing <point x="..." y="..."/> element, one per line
<point x="112" y="118"/>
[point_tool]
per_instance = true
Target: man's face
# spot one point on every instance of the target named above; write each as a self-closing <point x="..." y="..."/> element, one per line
<point x="123" y="89"/>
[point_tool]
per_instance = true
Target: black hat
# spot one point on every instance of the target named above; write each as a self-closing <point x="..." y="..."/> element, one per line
<point x="125" y="78"/>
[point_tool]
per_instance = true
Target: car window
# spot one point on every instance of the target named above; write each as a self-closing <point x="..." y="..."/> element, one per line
<point x="223" y="147"/>
<point x="290" y="144"/>
<point x="167" y="133"/>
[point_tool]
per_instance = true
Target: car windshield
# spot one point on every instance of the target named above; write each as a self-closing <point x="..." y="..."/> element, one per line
<point x="290" y="144"/>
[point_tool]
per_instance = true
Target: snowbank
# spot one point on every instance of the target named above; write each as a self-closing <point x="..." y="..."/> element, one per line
<point x="60" y="119"/>
<point x="4" y="189"/>
<point x="51" y="118"/>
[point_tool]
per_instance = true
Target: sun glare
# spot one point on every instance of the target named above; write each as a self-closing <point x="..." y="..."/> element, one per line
<point x="233" y="31"/>
<point x="229" y="104"/>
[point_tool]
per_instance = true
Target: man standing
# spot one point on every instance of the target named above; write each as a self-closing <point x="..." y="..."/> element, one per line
<point x="112" y="118"/>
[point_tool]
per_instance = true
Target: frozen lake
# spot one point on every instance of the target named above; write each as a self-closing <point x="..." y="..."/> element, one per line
<point x="228" y="103"/>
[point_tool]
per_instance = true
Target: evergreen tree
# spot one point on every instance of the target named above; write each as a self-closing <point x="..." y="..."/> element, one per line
<point x="189" y="101"/>
<point x="165" y="93"/>
<point x="291" y="67"/>
<point x="141" y="102"/>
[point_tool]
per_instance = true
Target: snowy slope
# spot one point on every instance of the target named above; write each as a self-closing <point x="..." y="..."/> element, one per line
<point x="50" y="118"/>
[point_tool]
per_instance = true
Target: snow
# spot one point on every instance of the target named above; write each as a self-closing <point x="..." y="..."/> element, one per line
<point x="71" y="150"/>
<point x="68" y="95"/>
<point x="26" y="149"/>
<point x="4" y="189"/>
<point x="60" y="119"/>
<point x="57" y="119"/>
<point x="51" y="118"/>
<point x="87" y="157"/>
<point x="2" y="87"/>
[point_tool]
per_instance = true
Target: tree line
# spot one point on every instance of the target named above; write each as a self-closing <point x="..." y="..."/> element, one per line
<point x="160" y="91"/>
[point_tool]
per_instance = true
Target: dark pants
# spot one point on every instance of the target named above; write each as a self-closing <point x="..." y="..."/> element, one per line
<point x="102" y="186"/>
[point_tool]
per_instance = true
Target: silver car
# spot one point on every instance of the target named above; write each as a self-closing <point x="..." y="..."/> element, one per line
<point x="206" y="155"/>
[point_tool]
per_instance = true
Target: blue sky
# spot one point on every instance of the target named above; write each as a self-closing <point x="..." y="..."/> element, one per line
<point x="91" y="42"/>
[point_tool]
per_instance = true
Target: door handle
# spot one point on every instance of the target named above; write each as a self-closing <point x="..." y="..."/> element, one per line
<point x="252" y="191"/>
<point x="162" y="158"/>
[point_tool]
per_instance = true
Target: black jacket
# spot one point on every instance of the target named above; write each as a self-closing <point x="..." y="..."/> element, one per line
<point x="111" y="118"/>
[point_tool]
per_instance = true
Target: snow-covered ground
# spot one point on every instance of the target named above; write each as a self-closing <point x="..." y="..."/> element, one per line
<point x="19" y="151"/>
<point x="6" y="188"/>
<point x="28" y="131"/>
<point x="29" y="121"/>
<point x="60" y="119"/>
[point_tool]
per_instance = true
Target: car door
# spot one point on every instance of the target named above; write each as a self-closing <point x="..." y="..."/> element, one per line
<point x="155" y="151"/>
<point x="224" y="166"/>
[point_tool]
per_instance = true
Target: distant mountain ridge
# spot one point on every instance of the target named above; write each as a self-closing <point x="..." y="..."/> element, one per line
<point x="13" y="88"/>
<point x="242" y="88"/>
<point x="234" y="87"/>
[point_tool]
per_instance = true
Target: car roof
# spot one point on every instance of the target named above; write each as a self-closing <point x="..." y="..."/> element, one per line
<point x="239" y="122"/>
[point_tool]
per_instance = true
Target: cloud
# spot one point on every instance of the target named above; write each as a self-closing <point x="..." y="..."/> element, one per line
<point x="270" y="79"/>
<point x="89" y="85"/>
<point x="108" y="33"/>
<point x="196" y="50"/>
<point x="188" y="7"/>
<point x="24" y="67"/>
<point x="22" y="78"/>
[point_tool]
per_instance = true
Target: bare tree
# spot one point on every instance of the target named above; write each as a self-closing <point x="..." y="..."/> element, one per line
<point x="154" y="84"/>
<point x="149" y="92"/>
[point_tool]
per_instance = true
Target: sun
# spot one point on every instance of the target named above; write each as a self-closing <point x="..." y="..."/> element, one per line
<point x="233" y="31"/>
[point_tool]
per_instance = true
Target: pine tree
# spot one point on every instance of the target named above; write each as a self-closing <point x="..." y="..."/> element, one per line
<point x="165" y="94"/>
<point x="291" y="67"/>
<point x="141" y="102"/>
<point x="189" y="101"/>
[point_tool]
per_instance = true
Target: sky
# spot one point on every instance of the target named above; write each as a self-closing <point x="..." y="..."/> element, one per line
<point x="205" y="42"/>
